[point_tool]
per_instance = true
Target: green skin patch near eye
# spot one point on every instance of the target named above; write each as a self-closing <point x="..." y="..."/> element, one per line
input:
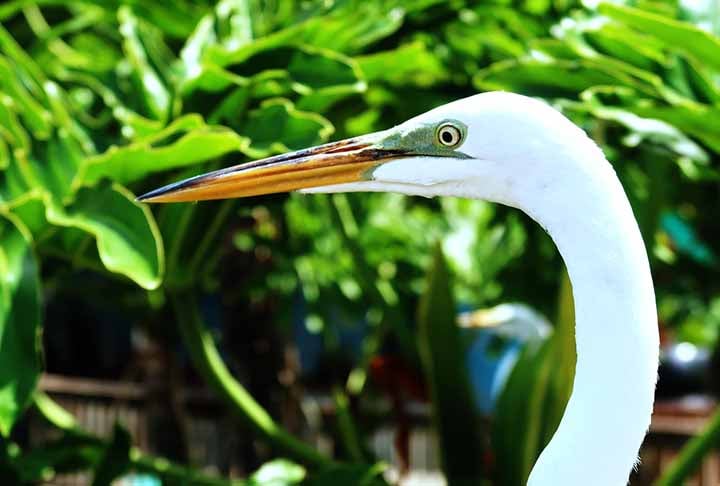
<point x="423" y="140"/>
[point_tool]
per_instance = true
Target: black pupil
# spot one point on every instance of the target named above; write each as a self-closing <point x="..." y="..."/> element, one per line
<point x="447" y="136"/>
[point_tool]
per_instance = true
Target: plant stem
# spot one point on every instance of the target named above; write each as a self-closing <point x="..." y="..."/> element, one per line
<point x="692" y="454"/>
<point x="210" y="234"/>
<point x="207" y="360"/>
<point x="56" y="415"/>
<point x="346" y="426"/>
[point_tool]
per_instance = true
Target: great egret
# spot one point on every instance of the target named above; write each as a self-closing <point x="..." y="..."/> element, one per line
<point x="520" y="152"/>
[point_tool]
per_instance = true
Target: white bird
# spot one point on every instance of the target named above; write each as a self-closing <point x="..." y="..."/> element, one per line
<point x="520" y="152"/>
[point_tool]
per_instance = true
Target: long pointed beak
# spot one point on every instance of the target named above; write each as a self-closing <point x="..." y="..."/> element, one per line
<point x="333" y="163"/>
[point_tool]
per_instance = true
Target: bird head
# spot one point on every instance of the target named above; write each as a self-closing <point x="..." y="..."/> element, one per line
<point x="482" y="146"/>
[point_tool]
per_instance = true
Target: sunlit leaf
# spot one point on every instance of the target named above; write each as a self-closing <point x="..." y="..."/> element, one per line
<point x="128" y="240"/>
<point x="187" y="141"/>
<point x="157" y="98"/>
<point x="704" y="47"/>
<point x="278" y="127"/>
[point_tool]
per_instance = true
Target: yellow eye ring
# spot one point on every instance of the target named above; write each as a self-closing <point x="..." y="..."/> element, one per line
<point x="449" y="135"/>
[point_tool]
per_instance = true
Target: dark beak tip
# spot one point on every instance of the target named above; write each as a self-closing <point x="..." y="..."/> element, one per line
<point x="147" y="197"/>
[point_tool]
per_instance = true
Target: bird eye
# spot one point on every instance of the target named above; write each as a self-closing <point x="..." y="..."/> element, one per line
<point x="449" y="135"/>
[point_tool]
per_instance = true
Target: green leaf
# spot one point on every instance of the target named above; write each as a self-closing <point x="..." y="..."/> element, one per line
<point x="641" y="129"/>
<point x="128" y="240"/>
<point x="187" y="141"/>
<point x="21" y="61"/>
<point x="115" y="460"/>
<point x="545" y="78"/>
<point x="32" y="112"/>
<point x="57" y="167"/>
<point x="321" y="68"/>
<point x="10" y="126"/>
<point x="424" y="70"/>
<point x="157" y="98"/>
<point x="701" y="45"/>
<point x="355" y="26"/>
<point x="278" y="127"/>
<point x="701" y="122"/>
<point x="20" y="352"/>
<point x="443" y="358"/>
<point x="31" y="211"/>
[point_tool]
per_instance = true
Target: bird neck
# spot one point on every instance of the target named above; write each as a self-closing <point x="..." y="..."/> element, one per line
<point x="608" y="414"/>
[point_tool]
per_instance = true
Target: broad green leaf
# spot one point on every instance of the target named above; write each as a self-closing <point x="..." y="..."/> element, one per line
<point x="128" y="240"/>
<point x="58" y="164"/>
<point x="188" y="141"/>
<point x="20" y="314"/>
<point x="156" y="95"/>
<point x="220" y="56"/>
<point x="355" y="27"/>
<point x="547" y="78"/>
<point x="626" y="45"/>
<point x="699" y="121"/>
<point x="31" y="211"/>
<point x="701" y="45"/>
<point x="175" y="19"/>
<point x="641" y="129"/>
<point x="321" y="68"/>
<point x="425" y="68"/>
<point x="700" y="79"/>
<point x="16" y="181"/>
<point x="443" y="358"/>
<point x="278" y="127"/>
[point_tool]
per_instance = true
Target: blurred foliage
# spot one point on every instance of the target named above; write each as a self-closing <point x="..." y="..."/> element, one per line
<point x="100" y="101"/>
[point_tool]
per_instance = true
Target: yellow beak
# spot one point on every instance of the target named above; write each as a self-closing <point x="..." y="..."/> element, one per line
<point x="333" y="163"/>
